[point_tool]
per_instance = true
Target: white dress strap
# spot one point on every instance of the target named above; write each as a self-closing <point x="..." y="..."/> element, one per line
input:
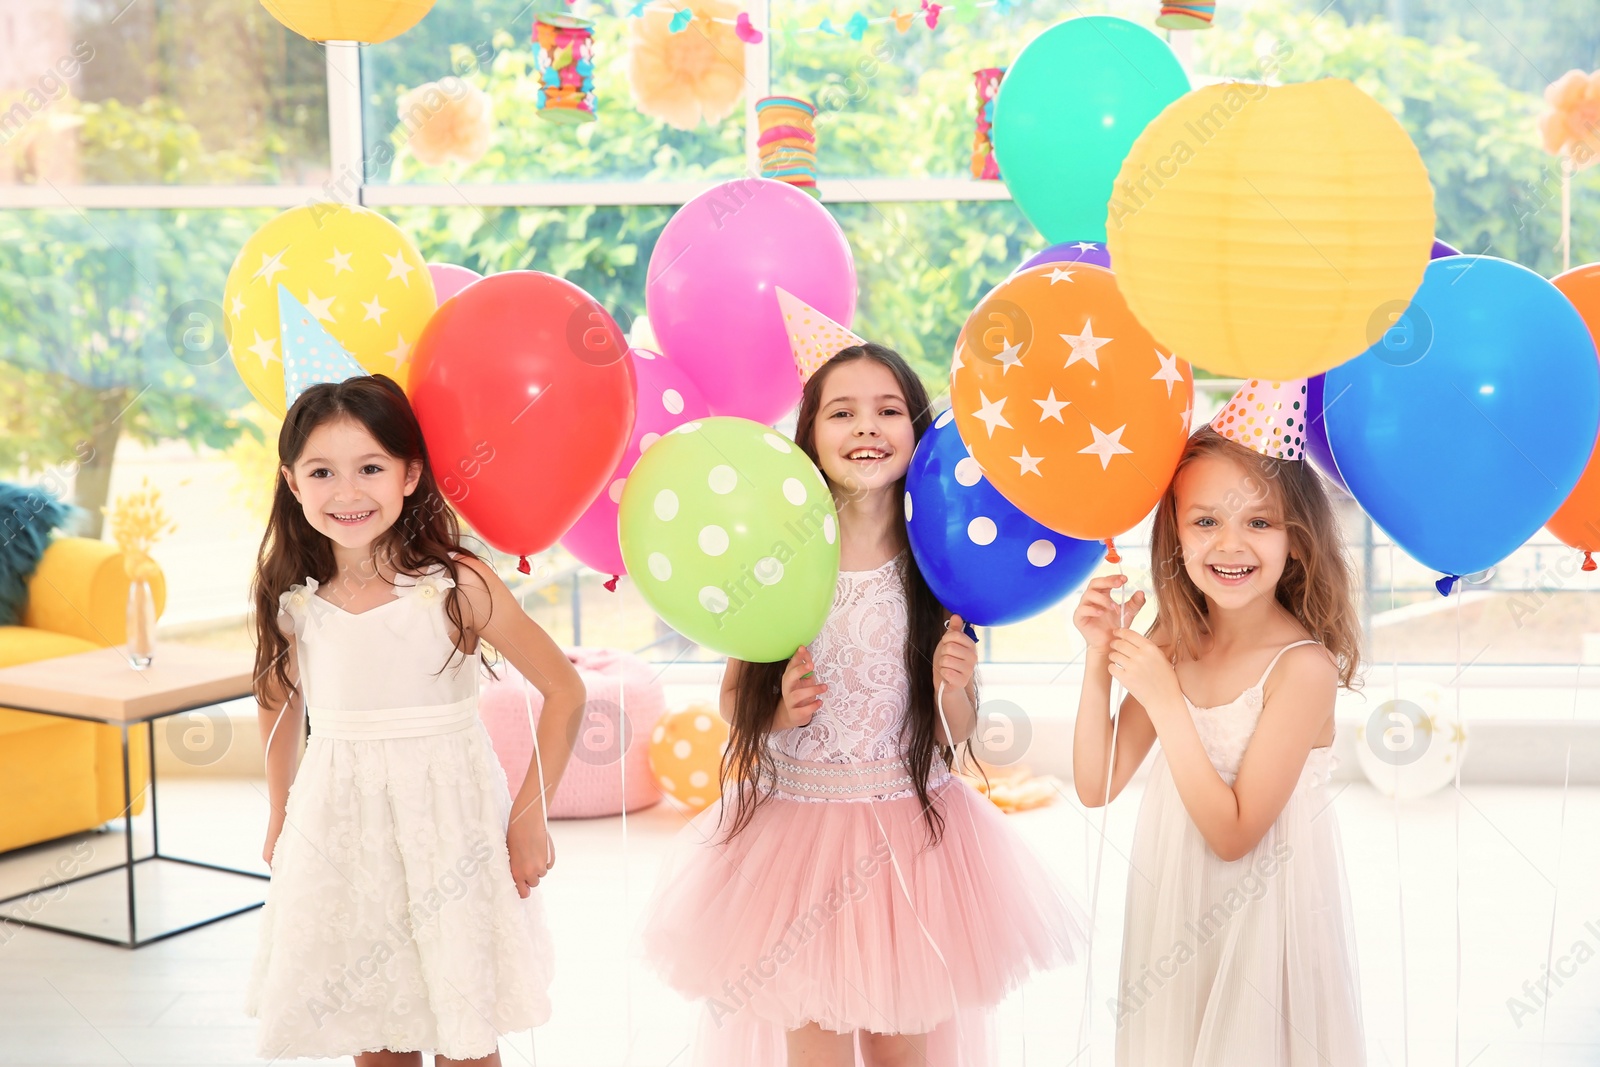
<point x="1281" y="651"/>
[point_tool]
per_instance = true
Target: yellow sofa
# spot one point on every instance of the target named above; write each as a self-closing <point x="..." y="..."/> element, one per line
<point x="60" y="776"/>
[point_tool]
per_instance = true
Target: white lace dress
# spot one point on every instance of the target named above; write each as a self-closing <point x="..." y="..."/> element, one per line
<point x="391" y="919"/>
<point x="1250" y="962"/>
<point x="832" y="906"/>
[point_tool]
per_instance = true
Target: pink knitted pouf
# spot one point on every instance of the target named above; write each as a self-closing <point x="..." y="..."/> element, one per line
<point x="624" y="697"/>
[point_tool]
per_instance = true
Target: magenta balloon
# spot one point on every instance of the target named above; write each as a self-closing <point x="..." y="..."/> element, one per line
<point x="710" y="290"/>
<point x="667" y="398"/>
<point x="449" y="279"/>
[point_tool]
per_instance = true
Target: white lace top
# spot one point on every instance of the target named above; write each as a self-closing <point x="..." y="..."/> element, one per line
<point x="860" y="657"/>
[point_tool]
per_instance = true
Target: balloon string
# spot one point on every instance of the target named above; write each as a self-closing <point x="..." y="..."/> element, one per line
<point x="1561" y="835"/>
<point x="1459" y="735"/>
<point x="1085" y="1030"/>
<point x="1566" y="213"/>
<point x="1399" y="880"/>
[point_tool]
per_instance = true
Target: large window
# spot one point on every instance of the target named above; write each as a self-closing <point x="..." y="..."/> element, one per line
<point x="141" y="144"/>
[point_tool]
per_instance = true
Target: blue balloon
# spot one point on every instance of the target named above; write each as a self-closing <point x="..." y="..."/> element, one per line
<point x="1464" y="428"/>
<point x="982" y="557"/>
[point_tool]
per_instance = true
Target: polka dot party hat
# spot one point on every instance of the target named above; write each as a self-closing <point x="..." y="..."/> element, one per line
<point x="310" y="354"/>
<point x="1267" y="416"/>
<point x="813" y="337"/>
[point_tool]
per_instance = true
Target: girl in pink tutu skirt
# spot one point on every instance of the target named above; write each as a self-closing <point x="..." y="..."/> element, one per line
<point x="861" y="905"/>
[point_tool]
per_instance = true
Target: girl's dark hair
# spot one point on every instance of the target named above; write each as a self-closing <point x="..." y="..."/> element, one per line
<point x="747" y="760"/>
<point x="426" y="532"/>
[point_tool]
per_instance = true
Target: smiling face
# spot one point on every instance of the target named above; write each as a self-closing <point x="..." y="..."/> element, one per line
<point x="863" y="432"/>
<point x="1230" y="527"/>
<point x="350" y="488"/>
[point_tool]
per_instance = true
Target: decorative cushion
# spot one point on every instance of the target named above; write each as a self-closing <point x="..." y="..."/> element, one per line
<point x="622" y="689"/>
<point x="27" y="518"/>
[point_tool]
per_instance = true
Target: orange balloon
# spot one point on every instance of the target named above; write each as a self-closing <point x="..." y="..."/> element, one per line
<point x="1071" y="409"/>
<point x="1577" y="522"/>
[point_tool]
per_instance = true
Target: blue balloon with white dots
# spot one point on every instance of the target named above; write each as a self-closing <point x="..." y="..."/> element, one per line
<point x="983" y="558"/>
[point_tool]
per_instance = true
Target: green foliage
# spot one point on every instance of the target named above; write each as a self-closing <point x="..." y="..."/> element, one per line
<point x="86" y="302"/>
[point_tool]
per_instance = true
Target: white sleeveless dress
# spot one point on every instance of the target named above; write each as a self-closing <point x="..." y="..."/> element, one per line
<point x="1244" y="962"/>
<point x="391" y="920"/>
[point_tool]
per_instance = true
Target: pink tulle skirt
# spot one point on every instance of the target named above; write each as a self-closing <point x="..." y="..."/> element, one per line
<point x="841" y="913"/>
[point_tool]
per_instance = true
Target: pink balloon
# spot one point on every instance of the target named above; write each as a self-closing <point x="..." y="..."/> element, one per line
<point x="449" y="279"/>
<point x="667" y="398"/>
<point x="709" y="293"/>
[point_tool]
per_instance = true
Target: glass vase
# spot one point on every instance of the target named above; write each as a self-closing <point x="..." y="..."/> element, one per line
<point x="141" y="624"/>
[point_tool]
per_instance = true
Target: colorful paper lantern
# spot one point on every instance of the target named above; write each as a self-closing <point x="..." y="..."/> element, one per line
<point x="1271" y="232"/>
<point x="564" y="64"/>
<point x="1187" y="14"/>
<point x="787" y="141"/>
<point x="364" y="21"/>
<point x="987" y="83"/>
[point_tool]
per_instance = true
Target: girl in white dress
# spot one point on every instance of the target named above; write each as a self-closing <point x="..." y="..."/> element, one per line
<point x="1237" y="946"/>
<point x="401" y="915"/>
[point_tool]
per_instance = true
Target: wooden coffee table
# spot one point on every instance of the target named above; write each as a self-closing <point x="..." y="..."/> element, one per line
<point x="100" y="686"/>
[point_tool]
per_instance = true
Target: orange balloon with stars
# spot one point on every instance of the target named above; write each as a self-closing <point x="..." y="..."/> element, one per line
<point x="1072" y="410"/>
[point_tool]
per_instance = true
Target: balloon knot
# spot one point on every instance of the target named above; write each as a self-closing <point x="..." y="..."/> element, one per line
<point x="1588" y="561"/>
<point x="1111" y="552"/>
<point x="522" y="565"/>
<point x="611" y="586"/>
<point x="1444" y="584"/>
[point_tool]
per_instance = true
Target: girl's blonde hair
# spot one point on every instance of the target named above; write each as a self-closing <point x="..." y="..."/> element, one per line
<point x="1318" y="583"/>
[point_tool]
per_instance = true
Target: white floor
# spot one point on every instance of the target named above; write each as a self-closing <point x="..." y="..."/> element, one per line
<point x="64" y="1000"/>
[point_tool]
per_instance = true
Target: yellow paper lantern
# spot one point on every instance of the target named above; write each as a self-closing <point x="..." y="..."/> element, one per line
<point x="686" y="750"/>
<point x="1271" y="232"/>
<point x="353" y="269"/>
<point x="366" y="21"/>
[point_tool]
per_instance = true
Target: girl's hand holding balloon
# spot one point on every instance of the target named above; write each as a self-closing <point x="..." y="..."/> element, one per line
<point x="1098" y="616"/>
<point x="1145" y="672"/>
<point x="955" y="657"/>
<point x="802" y="693"/>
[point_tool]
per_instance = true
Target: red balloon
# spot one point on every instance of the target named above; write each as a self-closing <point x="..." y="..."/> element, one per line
<point x="526" y="402"/>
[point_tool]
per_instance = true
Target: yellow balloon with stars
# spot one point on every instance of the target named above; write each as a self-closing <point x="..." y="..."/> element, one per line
<point x="351" y="268"/>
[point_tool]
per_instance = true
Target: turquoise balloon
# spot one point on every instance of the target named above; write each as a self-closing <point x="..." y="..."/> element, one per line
<point x="1069" y="110"/>
<point x="730" y="534"/>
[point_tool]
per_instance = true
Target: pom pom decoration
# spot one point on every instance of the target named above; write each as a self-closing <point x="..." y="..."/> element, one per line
<point x="564" y="63"/>
<point x="1570" y="125"/>
<point x="684" y="78"/>
<point x="364" y="21"/>
<point x="447" y="120"/>
<point x="686" y="748"/>
<point x="984" y="166"/>
<point x="1266" y="231"/>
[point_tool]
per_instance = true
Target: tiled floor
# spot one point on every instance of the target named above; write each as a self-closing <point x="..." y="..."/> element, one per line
<point x="68" y="1001"/>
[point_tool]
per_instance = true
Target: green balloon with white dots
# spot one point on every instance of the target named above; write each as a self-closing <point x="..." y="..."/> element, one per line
<point x="730" y="533"/>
